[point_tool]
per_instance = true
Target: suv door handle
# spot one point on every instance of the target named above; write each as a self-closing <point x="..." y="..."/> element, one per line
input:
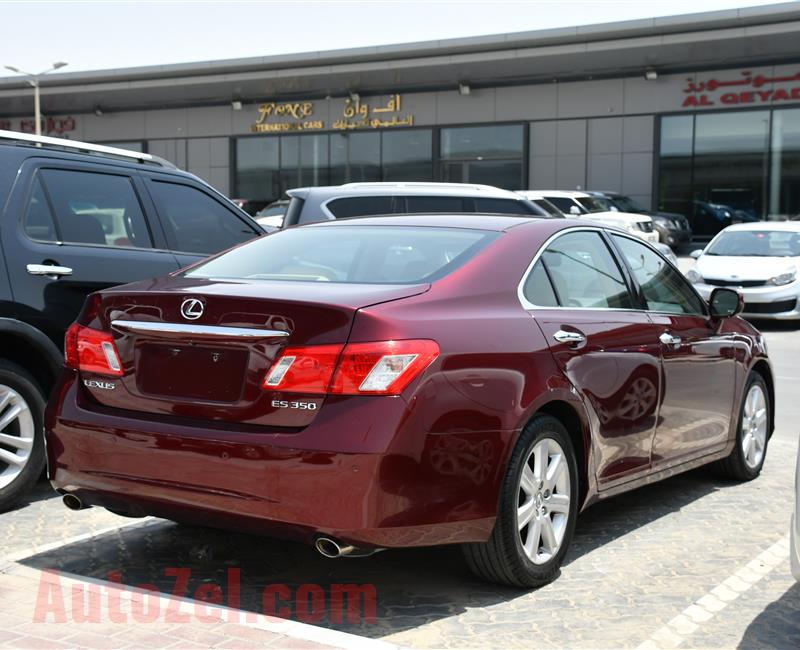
<point x="572" y="338"/>
<point x="668" y="339"/>
<point x="48" y="269"/>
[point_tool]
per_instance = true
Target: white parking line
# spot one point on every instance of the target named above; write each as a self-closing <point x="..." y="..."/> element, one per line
<point x="675" y="632"/>
<point x="43" y="548"/>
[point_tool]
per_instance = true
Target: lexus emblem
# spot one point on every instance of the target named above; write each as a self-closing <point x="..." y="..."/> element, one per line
<point x="192" y="309"/>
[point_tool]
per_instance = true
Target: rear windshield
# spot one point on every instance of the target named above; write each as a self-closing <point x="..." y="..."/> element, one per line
<point x="350" y="254"/>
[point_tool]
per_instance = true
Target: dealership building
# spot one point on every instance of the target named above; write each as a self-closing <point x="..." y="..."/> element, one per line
<point x="676" y="112"/>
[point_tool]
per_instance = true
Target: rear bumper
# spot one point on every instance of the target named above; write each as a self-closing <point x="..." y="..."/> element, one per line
<point x="402" y="488"/>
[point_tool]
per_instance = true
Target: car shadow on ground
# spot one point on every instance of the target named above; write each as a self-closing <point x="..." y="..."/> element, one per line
<point x="778" y="626"/>
<point x="411" y="586"/>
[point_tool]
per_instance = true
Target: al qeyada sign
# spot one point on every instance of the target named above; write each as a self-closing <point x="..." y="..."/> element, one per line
<point x="745" y="89"/>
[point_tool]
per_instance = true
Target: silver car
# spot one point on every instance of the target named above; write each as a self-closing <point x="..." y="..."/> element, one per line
<point x="794" y="544"/>
<point x="761" y="261"/>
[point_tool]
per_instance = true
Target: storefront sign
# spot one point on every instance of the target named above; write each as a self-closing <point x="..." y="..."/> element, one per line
<point x="746" y="89"/>
<point x="50" y="125"/>
<point x="298" y="116"/>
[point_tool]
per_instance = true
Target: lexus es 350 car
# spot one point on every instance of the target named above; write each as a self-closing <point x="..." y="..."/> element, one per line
<point x="761" y="260"/>
<point x="405" y="381"/>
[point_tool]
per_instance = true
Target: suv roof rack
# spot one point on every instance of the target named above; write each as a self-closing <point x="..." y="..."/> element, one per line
<point x="455" y="186"/>
<point x="87" y="147"/>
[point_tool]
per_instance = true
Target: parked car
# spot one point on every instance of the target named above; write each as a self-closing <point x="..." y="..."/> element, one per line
<point x="794" y="537"/>
<point x="760" y="260"/>
<point x="271" y="217"/>
<point x="673" y="229"/>
<point x="407" y="381"/>
<point x="583" y="206"/>
<point x="75" y="218"/>
<point x="314" y="204"/>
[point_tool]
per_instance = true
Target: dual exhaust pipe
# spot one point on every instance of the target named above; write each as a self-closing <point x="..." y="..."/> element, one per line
<point x="332" y="548"/>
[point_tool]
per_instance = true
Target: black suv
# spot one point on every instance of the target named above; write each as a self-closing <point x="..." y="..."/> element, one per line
<point x="76" y="218"/>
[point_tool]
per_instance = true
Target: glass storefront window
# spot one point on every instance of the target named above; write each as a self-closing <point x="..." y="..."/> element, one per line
<point x="355" y="157"/>
<point x="257" y="167"/>
<point x="714" y="168"/>
<point x="491" y="155"/>
<point x="407" y="155"/>
<point x="481" y="142"/>
<point x="784" y="172"/>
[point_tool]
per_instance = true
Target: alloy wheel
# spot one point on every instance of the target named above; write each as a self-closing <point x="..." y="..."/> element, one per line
<point x="754" y="426"/>
<point x="543" y="501"/>
<point x="17" y="431"/>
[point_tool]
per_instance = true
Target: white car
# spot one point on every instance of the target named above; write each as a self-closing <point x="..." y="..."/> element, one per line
<point x="584" y="206"/>
<point x="794" y="544"/>
<point x="761" y="260"/>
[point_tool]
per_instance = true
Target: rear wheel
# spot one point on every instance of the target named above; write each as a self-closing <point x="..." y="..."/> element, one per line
<point x="537" y="510"/>
<point x="747" y="457"/>
<point x="21" y="433"/>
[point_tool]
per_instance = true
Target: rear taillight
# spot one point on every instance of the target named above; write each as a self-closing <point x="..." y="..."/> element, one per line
<point x="91" y="351"/>
<point x="375" y="368"/>
<point x="305" y="369"/>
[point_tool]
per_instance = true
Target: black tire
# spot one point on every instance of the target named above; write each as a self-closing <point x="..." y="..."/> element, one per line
<point x="19" y="380"/>
<point x="734" y="466"/>
<point x="502" y="558"/>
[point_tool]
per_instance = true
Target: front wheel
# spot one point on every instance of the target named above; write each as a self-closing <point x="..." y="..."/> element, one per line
<point x="752" y="434"/>
<point x="537" y="510"/>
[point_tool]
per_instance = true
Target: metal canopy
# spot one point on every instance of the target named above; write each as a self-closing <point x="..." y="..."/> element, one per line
<point x="745" y="37"/>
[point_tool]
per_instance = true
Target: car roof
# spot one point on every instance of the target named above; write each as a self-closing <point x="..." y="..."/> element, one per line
<point x="785" y="226"/>
<point x="405" y="189"/>
<point x="474" y="221"/>
<point x="567" y="194"/>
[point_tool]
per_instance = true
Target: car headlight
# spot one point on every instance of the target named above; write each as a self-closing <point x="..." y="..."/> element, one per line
<point x="693" y="276"/>
<point x="784" y="278"/>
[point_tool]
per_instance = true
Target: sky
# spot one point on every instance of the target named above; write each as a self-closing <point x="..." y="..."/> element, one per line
<point x="94" y="35"/>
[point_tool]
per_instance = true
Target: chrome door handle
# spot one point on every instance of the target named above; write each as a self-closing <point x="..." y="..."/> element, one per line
<point x="573" y="338"/>
<point x="48" y="269"/>
<point x="668" y="339"/>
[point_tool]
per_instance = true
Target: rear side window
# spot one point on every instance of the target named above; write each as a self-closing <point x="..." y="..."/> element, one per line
<point x="350" y="254"/>
<point x="537" y="289"/>
<point x="562" y="203"/>
<point x="196" y="223"/>
<point x="585" y="274"/>
<point x="359" y="206"/>
<point x="503" y="206"/>
<point x="79" y="207"/>
<point x="422" y="204"/>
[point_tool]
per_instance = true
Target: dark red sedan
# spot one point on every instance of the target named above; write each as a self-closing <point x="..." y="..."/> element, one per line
<point x="408" y="381"/>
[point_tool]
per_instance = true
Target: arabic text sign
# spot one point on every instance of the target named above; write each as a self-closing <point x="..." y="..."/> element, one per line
<point x="284" y="117"/>
<point x="746" y="89"/>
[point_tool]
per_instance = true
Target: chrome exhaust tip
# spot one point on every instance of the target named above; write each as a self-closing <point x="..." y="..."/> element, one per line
<point x="73" y="503"/>
<point x="331" y="548"/>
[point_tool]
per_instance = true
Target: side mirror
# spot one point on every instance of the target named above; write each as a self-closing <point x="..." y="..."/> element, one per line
<point x="614" y="208"/>
<point x="574" y="209"/>
<point x="696" y="253"/>
<point x="725" y="303"/>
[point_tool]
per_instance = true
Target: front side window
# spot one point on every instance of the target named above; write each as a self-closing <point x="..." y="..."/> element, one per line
<point x="196" y="223"/>
<point x="92" y="208"/>
<point x="350" y="254"/>
<point x="664" y="288"/>
<point x="565" y="204"/>
<point x="584" y="273"/>
<point x="423" y="204"/>
<point x="503" y="206"/>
